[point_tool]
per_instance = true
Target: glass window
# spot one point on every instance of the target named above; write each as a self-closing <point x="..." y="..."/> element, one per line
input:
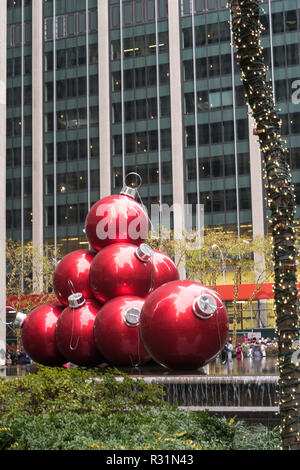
<point x="81" y="55"/>
<point x="295" y="123"/>
<point x="295" y="158"/>
<point x="242" y="129"/>
<point x="165" y="138"/>
<point x="229" y="165"/>
<point x="205" y="199"/>
<point x="230" y="197"/>
<point x="204" y="168"/>
<point x="187" y="38"/>
<point x="142" y="142"/>
<point x="128" y="47"/>
<point x="71" y="31"/>
<point x="165" y="106"/>
<point x="151" y="76"/>
<point x="190" y="136"/>
<point x="245" y="198"/>
<point x="94" y="115"/>
<point x="218" y="201"/>
<point x="81" y="22"/>
<point x="129" y="111"/>
<point x="93" y="54"/>
<point x="281" y="90"/>
<point x="292" y="54"/>
<point x="191" y="169"/>
<point x="128" y="79"/>
<point x="116" y="81"/>
<point x="244" y="164"/>
<point x="200" y="35"/>
<point x="60" y="59"/>
<point x="82" y="149"/>
<point x="215" y="100"/>
<point x="228" y="131"/>
<point x="116" y="112"/>
<point x="277" y="23"/>
<point x="71" y="57"/>
<point x="203" y="134"/>
<point x="128" y="13"/>
<point x="217" y="167"/>
<point x="141" y="109"/>
<point x="139" y="45"/>
<point x="212" y="33"/>
<point x="139" y="11"/>
<point x="291" y="23"/>
<point x="226" y="64"/>
<point x="93" y="85"/>
<point x="201" y="68"/>
<point x="150" y="5"/>
<point x="216" y="132"/>
<point x="140" y="77"/>
<point x="130" y="143"/>
<point x="117" y="144"/>
<point x="115" y="16"/>
<point x="62" y="151"/>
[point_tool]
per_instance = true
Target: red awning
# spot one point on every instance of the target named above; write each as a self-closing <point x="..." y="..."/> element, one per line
<point x="246" y="291"/>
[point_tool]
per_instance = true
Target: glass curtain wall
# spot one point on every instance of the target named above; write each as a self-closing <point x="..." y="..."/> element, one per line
<point x="71" y="120"/>
<point x="216" y="123"/>
<point x="141" y="126"/>
<point x="283" y="19"/>
<point x="19" y="125"/>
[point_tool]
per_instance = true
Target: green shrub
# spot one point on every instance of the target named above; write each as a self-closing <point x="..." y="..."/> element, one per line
<point x="59" y="409"/>
<point x="54" y="390"/>
<point x="162" y="428"/>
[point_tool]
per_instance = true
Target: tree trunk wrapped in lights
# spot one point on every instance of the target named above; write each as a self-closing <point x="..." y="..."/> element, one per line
<point x="281" y="200"/>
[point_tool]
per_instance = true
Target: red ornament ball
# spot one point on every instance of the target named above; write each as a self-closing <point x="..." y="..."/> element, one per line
<point x="72" y="275"/>
<point x="38" y="335"/>
<point x="74" y="332"/>
<point x="117" y="218"/>
<point x="165" y="269"/>
<point x="183" y="325"/>
<point x="116" y="332"/>
<point x="122" y="269"/>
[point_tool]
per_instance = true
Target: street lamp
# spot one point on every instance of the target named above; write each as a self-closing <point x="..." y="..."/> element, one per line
<point x="214" y="246"/>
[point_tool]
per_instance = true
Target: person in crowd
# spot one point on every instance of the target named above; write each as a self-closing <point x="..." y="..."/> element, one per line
<point x="239" y="353"/>
<point x="224" y="354"/>
<point x="229" y="349"/>
<point x="263" y="348"/>
<point x="27" y="363"/>
<point x="8" y="360"/>
<point x="256" y="351"/>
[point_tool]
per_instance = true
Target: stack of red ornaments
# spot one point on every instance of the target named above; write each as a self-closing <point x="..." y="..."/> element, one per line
<point x="122" y="303"/>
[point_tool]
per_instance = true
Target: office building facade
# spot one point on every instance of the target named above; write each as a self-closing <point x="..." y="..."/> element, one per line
<point x="97" y="89"/>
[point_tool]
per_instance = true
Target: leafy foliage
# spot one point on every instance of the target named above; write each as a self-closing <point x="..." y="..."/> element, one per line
<point x="73" y="410"/>
<point x="54" y="390"/>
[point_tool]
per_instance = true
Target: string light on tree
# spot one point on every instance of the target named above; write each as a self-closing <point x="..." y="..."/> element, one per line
<point x="281" y="201"/>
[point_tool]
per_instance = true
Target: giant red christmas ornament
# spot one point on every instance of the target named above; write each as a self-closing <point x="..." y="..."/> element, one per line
<point x="122" y="269"/>
<point x="116" y="332"/>
<point x="117" y="218"/>
<point x="72" y="275"/>
<point x="183" y="325"/>
<point x="74" y="332"/>
<point x="38" y="334"/>
<point x="165" y="269"/>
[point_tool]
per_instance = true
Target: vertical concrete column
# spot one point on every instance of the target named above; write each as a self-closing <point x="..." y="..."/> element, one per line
<point x="3" y="48"/>
<point x="258" y="211"/>
<point x="104" y="97"/>
<point x="37" y="142"/>
<point x="177" y="120"/>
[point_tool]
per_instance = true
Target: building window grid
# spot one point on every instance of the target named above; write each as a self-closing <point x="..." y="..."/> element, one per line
<point x="69" y="25"/>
